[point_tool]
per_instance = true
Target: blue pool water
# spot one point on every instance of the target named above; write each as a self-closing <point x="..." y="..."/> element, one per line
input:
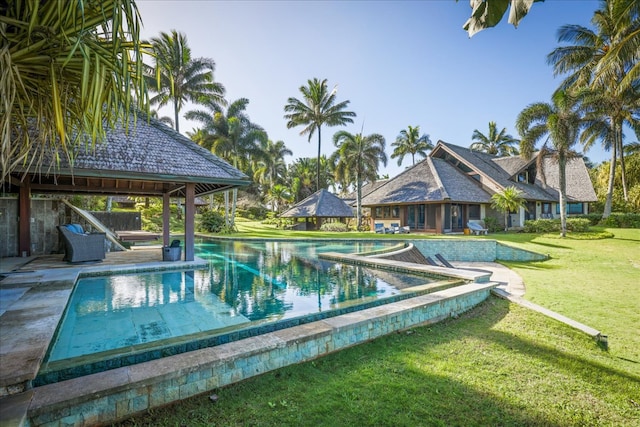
<point x="246" y="284"/>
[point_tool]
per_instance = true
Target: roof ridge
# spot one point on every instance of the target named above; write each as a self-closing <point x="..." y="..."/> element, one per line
<point x="436" y="177"/>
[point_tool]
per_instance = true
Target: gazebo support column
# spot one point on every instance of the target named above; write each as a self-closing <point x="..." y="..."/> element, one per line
<point x="24" y="223"/>
<point x="166" y="214"/>
<point x="189" y="221"/>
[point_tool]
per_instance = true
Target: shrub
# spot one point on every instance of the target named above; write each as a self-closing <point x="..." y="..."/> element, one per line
<point x="337" y="227"/>
<point x="256" y="213"/>
<point x="542" y="225"/>
<point x="492" y="224"/>
<point x="618" y="220"/>
<point x="211" y="222"/>
<point x="578" y="225"/>
<point x="594" y="218"/>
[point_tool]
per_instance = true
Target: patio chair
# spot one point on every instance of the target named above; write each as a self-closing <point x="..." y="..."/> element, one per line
<point x="380" y="228"/>
<point x="80" y="246"/>
<point x="444" y="261"/>
<point x="430" y="261"/>
<point x="477" y="228"/>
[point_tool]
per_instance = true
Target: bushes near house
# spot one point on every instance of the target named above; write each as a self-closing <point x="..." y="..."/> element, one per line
<point x="576" y="225"/>
<point x="211" y="222"/>
<point x="621" y="220"/>
<point x="492" y="224"/>
<point x="337" y="227"/>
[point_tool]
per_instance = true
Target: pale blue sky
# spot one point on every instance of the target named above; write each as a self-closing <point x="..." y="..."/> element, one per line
<point x="400" y="63"/>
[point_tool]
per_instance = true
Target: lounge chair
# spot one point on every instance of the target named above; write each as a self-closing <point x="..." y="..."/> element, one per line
<point x="444" y="261"/>
<point x="80" y="246"/>
<point x="477" y="228"/>
<point x="380" y="228"/>
<point x="431" y="261"/>
<point x="396" y="229"/>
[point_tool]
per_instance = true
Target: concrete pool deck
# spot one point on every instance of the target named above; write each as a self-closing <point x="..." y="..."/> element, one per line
<point x="34" y="295"/>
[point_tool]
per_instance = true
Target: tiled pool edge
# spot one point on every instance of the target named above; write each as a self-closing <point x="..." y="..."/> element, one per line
<point x="120" y="393"/>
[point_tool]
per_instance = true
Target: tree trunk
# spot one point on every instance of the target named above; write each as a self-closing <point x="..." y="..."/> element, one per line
<point x="233" y="207"/>
<point x="623" y="171"/>
<point x="562" y="165"/>
<point x="318" y="165"/>
<point x="176" y="112"/>
<point x="358" y="202"/>
<point x="612" y="176"/>
<point x="109" y="203"/>
<point x="226" y="208"/>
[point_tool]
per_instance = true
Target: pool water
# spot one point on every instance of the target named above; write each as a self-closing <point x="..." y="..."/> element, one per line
<point x="246" y="284"/>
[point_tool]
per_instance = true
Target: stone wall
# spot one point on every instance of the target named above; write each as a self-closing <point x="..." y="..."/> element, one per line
<point x="479" y="250"/>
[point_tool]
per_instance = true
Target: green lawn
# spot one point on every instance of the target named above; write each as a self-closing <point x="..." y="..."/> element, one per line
<point x="499" y="364"/>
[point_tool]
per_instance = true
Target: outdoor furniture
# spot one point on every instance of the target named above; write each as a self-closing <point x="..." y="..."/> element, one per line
<point x="431" y="261"/>
<point x="380" y="228"/>
<point x="80" y="246"/>
<point x="444" y="261"/>
<point x="477" y="228"/>
<point x="396" y="229"/>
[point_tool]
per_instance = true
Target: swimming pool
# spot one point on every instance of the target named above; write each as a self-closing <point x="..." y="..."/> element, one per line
<point x="248" y="288"/>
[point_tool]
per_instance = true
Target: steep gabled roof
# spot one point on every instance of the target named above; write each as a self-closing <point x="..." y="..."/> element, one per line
<point x="431" y="180"/>
<point x="579" y="187"/>
<point x="366" y="189"/>
<point x="320" y="204"/>
<point x="149" y="152"/>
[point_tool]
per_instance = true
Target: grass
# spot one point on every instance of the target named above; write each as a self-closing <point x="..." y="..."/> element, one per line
<point x="498" y="364"/>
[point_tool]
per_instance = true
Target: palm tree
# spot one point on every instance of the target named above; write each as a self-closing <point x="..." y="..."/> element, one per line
<point x="508" y="200"/>
<point x="561" y="121"/>
<point x="318" y="107"/>
<point x="233" y="137"/>
<point x="495" y="143"/>
<point x="279" y="194"/>
<point x="605" y="60"/>
<point x="177" y="78"/>
<point x="301" y="178"/>
<point x="65" y="71"/>
<point x="271" y="167"/>
<point x="358" y="158"/>
<point x="411" y="142"/>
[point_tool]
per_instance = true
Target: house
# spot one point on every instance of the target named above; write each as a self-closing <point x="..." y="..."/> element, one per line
<point x="454" y="185"/>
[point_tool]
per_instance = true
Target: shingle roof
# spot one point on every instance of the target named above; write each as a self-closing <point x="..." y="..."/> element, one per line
<point x="149" y="151"/>
<point x="431" y="180"/>
<point x="366" y="189"/>
<point x="320" y="204"/>
<point x="579" y="188"/>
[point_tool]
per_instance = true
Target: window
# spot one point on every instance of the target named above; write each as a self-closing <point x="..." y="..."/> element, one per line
<point x="474" y="212"/>
<point x="523" y="177"/>
<point x="546" y="208"/>
<point x="572" y="208"/>
<point x="431" y="216"/>
<point x="395" y="211"/>
<point x="387" y="212"/>
<point x="378" y="211"/>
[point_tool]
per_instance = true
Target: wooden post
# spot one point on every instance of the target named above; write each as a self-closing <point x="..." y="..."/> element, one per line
<point x="24" y="223"/>
<point x="189" y="222"/>
<point x="166" y="215"/>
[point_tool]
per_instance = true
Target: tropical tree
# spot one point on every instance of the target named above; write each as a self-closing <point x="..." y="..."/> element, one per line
<point x="508" y="200"/>
<point x="271" y="167"/>
<point x="358" y="158"/>
<point x="318" y="107"/>
<point x="279" y="195"/>
<point x="487" y="13"/>
<point x="409" y="141"/>
<point x="606" y="61"/>
<point x="495" y="143"/>
<point x="232" y="136"/>
<point x="302" y="176"/>
<point x="562" y="122"/>
<point x="176" y="77"/>
<point x="66" y="74"/>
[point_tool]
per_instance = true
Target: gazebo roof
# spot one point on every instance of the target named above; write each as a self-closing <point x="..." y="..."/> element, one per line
<point x="150" y="159"/>
<point x="320" y="204"/>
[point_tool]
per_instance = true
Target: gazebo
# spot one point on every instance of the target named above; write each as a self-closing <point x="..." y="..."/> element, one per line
<point x="320" y="205"/>
<point x="148" y="160"/>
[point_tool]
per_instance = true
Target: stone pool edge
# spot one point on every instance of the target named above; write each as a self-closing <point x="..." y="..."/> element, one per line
<point x="105" y="397"/>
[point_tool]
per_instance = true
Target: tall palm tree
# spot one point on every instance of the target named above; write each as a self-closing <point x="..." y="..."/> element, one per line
<point x="496" y="143"/>
<point x="301" y="178"/>
<point x="65" y="71"/>
<point x="318" y="107"/>
<point x="411" y="142"/>
<point x="561" y="121"/>
<point x="358" y="157"/>
<point x="271" y="167"/>
<point x="606" y="61"/>
<point x="176" y="77"/>
<point x="233" y="137"/>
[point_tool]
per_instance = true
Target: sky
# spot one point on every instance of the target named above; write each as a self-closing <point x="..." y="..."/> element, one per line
<point x="399" y="63"/>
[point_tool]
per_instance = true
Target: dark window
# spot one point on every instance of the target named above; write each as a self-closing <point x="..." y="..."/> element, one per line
<point x="387" y="212"/>
<point x="474" y="212"/>
<point x="378" y="211"/>
<point x="395" y="212"/>
<point x="572" y="208"/>
<point x="431" y="216"/>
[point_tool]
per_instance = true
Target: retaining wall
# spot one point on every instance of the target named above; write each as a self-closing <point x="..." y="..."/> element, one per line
<point x="479" y="250"/>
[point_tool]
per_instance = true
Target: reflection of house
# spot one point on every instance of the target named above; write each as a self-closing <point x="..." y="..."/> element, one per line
<point x="454" y="185"/>
<point x="320" y="206"/>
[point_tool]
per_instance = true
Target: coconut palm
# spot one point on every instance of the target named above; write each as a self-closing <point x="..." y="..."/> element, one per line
<point x="233" y="137"/>
<point x="64" y="72"/>
<point x="318" y="107"/>
<point x="358" y="158"/>
<point x="606" y="61"/>
<point x="495" y="143"/>
<point x="279" y="195"/>
<point x="177" y="78"/>
<point x="411" y="142"/>
<point x="508" y="200"/>
<point x="271" y="167"/>
<point x="487" y="13"/>
<point x="561" y="121"/>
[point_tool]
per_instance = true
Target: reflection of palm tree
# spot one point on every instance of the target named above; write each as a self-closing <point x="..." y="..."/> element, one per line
<point x="318" y="107"/>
